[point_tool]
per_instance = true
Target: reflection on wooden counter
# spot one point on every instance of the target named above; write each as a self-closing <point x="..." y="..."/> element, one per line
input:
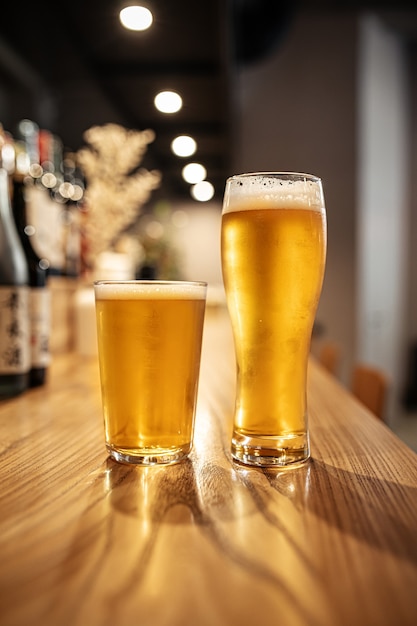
<point x="85" y="540"/>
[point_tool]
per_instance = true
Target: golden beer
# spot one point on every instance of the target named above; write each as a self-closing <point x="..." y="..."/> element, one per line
<point x="273" y="246"/>
<point x="149" y="342"/>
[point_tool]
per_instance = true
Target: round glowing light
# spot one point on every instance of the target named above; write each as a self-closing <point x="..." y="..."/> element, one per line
<point x="29" y="230"/>
<point x="180" y="219"/>
<point x="168" y="102"/>
<point x="194" y="173"/>
<point x="136" y="18"/>
<point x="78" y="193"/>
<point x="35" y="170"/>
<point x="66" y="190"/>
<point x="49" y="180"/>
<point x="184" y="146"/>
<point x="203" y="191"/>
<point x="154" y="230"/>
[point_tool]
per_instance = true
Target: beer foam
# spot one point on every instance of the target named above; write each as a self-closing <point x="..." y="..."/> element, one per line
<point x="155" y="290"/>
<point x="263" y="190"/>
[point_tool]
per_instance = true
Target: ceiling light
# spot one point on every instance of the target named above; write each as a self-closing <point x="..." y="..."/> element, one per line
<point x="136" y="18"/>
<point x="194" y="173"/>
<point x="203" y="191"/>
<point x="168" y="102"/>
<point x="183" y="146"/>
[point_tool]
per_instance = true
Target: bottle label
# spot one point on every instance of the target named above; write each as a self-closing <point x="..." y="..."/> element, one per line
<point x="40" y="325"/>
<point x="14" y="330"/>
<point x="45" y="214"/>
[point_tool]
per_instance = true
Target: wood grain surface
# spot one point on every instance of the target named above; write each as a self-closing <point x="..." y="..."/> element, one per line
<point x="85" y="541"/>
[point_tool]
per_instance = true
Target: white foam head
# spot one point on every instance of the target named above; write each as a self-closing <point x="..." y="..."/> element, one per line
<point x="149" y="290"/>
<point x="273" y="190"/>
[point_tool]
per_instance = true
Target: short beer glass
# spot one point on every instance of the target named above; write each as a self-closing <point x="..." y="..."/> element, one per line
<point x="273" y="246"/>
<point x="149" y="344"/>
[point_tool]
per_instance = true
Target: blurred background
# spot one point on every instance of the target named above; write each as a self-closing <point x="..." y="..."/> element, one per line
<point x="324" y="87"/>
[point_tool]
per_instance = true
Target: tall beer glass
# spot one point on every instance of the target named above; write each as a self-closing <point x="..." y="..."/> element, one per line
<point x="149" y="344"/>
<point x="273" y="244"/>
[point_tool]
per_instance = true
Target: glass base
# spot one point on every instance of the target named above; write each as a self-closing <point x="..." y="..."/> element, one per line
<point x="137" y="456"/>
<point x="281" y="451"/>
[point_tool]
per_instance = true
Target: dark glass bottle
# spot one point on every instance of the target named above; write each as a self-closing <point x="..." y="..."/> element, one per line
<point x="14" y="301"/>
<point x="39" y="302"/>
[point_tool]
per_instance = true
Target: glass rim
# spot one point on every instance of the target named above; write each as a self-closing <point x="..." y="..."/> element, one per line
<point x="271" y="174"/>
<point x="157" y="282"/>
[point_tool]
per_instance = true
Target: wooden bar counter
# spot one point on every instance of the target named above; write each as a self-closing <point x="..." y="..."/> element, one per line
<point x="85" y="541"/>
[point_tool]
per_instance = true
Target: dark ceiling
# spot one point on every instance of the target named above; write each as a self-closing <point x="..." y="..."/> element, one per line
<point x="71" y="65"/>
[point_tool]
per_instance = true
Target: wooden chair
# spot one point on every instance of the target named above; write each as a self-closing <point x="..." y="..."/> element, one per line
<point x="329" y="357"/>
<point x="370" y="386"/>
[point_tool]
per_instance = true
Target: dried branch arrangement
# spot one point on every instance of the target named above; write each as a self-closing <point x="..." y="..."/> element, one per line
<point x="116" y="188"/>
